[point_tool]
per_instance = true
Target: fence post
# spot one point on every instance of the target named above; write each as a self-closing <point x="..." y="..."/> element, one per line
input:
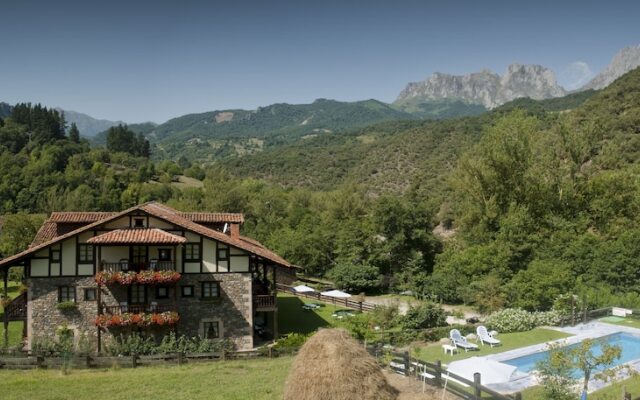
<point x="134" y="361"/>
<point x="477" y="386"/>
<point x="438" y="373"/>
<point x="407" y="364"/>
<point x="88" y="361"/>
<point x="270" y="352"/>
<point x="39" y="361"/>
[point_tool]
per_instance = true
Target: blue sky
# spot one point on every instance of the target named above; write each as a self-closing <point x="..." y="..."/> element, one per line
<point x="154" y="60"/>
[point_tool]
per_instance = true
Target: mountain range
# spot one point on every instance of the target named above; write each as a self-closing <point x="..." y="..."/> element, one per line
<point x="490" y="90"/>
<point x="218" y="134"/>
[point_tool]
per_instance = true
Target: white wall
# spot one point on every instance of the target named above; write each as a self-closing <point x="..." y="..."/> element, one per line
<point x="114" y="254"/>
<point x="69" y="257"/>
<point x="40" y="267"/>
<point x="239" y="264"/>
<point x="118" y="223"/>
<point x="208" y="255"/>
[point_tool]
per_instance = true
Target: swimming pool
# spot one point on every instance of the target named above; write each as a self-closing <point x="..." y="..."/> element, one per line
<point x="630" y="345"/>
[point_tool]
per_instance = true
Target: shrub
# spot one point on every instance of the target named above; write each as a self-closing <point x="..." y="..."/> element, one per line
<point x="426" y="315"/>
<point x="292" y="340"/>
<point x="355" y="277"/>
<point x="519" y="320"/>
<point x="131" y="344"/>
<point x="385" y="315"/>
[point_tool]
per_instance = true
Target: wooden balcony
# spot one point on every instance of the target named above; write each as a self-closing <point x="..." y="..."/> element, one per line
<point x="264" y="303"/>
<point x="123" y="266"/>
<point x="16" y="309"/>
<point x="137" y="309"/>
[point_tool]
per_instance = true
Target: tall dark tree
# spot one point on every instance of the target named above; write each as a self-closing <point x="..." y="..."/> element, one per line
<point x="122" y="139"/>
<point x="74" y="133"/>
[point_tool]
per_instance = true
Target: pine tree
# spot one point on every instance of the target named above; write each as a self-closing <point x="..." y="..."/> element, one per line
<point x="74" y="133"/>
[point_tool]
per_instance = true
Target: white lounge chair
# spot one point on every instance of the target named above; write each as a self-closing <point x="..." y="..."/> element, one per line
<point x="485" y="337"/>
<point x="460" y="341"/>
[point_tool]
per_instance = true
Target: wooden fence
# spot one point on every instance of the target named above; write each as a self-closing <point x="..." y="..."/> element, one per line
<point x="133" y="361"/>
<point x="356" y="305"/>
<point x="435" y="375"/>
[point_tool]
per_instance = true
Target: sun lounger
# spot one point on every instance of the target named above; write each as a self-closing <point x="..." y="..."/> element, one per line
<point x="485" y="337"/>
<point x="460" y="341"/>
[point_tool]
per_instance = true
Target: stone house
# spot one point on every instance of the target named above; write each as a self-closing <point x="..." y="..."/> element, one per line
<point x="148" y="269"/>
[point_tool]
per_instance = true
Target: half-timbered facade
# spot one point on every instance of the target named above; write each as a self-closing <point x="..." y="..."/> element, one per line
<point x="149" y="269"/>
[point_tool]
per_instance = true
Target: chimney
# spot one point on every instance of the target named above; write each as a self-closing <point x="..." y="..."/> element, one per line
<point x="234" y="230"/>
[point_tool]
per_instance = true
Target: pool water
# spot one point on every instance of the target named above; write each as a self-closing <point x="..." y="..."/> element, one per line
<point x="630" y="345"/>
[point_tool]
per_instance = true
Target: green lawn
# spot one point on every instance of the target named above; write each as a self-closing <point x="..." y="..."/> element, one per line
<point x="259" y="379"/>
<point x="292" y="318"/>
<point x="510" y="341"/>
<point x="15" y="328"/>
<point x="631" y="322"/>
<point x="612" y="392"/>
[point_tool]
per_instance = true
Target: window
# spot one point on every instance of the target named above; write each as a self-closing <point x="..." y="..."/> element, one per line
<point x="192" y="252"/>
<point x="211" y="329"/>
<point x="55" y="255"/>
<point x="162" y="292"/>
<point x="137" y="294"/>
<point x="66" y="293"/>
<point x="90" y="294"/>
<point x="164" y="254"/>
<point x="85" y="253"/>
<point x="223" y="253"/>
<point x="138" y="222"/>
<point x="210" y="290"/>
<point x="187" y="291"/>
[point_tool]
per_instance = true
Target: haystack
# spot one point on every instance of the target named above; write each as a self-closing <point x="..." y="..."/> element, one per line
<point x="333" y="366"/>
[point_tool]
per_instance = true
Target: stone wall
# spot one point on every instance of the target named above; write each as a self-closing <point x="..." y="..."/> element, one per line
<point x="44" y="319"/>
<point x="234" y="308"/>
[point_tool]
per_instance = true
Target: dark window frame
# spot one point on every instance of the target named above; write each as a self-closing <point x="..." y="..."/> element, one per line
<point x="214" y="284"/>
<point x="191" y="249"/>
<point x="158" y="295"/>
<point x="82" y="255"/>
<point x="160" y="254"/>
<point x="219" y="250"/>
<point x="193" y="290"/>
<point x="212" y="324"/>
<point x="91" y="290"/>
<point x="139" y="220"/>
<point x="137" y="300"/>
<point x="64" y="293"/>
<point x="54" y="259"/>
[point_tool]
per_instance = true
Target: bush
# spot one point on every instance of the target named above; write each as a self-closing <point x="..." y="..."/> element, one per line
<point x="170" y="344"/>
<point x="519" y="320"/>
<point x="67" y="306"/>
<point x="426" y="315"/>
<point x="292" y="340"/>
<point x="131" y="344"/>
<point x="355" y="277"/>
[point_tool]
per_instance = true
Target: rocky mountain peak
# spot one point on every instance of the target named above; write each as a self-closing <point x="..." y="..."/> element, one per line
<point x="624" y="61"/>
<point x="485" y="87"/>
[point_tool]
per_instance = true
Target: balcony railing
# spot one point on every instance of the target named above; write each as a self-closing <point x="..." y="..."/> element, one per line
<point x="137" y="309"/>
<point x="122" y="266"/>
<point x="264" y="302"/>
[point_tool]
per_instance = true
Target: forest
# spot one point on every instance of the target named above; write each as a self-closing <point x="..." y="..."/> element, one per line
<point x="513" y="207"/>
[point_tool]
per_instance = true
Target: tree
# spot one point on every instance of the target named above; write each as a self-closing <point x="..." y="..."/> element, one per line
<point x="74" y="133"/>
<point x="556" y="372"/>
<point x="426" y="315"/>
<point x="355" y="277"/>
<point x="18" y="231"/>
<point x="122" y="139"/>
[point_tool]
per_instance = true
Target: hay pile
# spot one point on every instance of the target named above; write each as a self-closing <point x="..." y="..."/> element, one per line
<point x="333" y="366"/>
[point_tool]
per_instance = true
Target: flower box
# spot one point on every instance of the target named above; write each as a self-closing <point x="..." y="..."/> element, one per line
<point x="137" y="319"/>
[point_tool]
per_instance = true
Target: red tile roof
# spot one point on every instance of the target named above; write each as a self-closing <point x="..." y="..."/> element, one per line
<point x="208" y="218"/>
<point x="45" y="238"/>
<point x="78" y="217"/>
<point x="137" y="236"/>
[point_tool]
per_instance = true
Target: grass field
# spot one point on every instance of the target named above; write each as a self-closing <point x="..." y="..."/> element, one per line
<point x="258" y="379"/>
<point x="15" y="328"/>
<point x="510" y="341"/>
<point x="632" y="322"/>
<point x="293" y="319"/>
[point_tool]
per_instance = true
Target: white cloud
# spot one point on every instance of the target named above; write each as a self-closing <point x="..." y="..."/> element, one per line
<point x="575" y="75"/>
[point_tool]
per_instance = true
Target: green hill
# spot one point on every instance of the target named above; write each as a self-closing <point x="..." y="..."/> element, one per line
<point x="439" y="109"/>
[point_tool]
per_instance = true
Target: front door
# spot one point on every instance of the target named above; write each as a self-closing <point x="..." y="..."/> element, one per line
<point x="139" y="257"/>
